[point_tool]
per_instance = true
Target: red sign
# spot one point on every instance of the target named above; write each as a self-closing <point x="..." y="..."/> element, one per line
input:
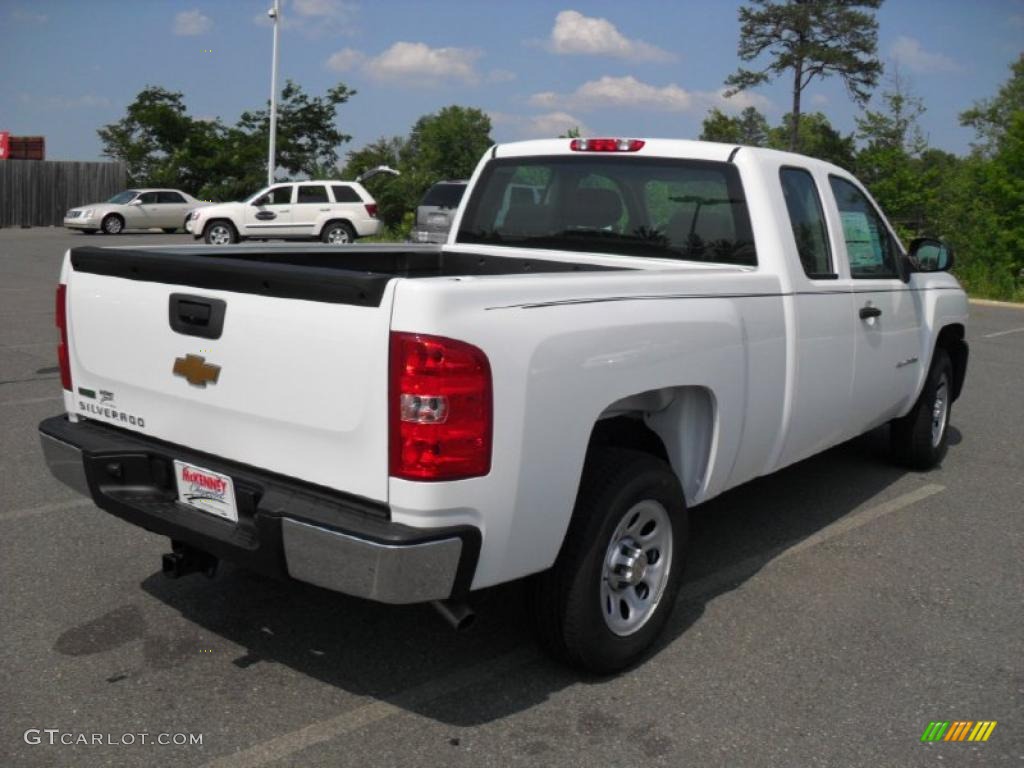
<point x="5" y="144"/>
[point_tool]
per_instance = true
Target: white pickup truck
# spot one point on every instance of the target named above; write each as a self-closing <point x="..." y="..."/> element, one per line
<point x="545" y="395"/>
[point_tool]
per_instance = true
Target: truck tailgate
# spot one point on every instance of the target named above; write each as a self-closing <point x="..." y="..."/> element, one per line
<point x="302" y="383"/>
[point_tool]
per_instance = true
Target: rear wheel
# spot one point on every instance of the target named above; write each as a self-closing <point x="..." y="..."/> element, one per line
<point x="920" y="439"/>
<point x="87" y="231"/>
<point x="112" y="224"/>
<point x="612" y="589"/>
<point x="338" y="233"/>
<point x="220" y="233"/>
<point x="170" y="230"/>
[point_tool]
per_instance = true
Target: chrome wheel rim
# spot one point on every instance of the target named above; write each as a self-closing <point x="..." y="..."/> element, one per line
<point x="219" y="235"/>
<point x="113" y="225"/>
<point x="636" y="568"/>
<point x="940" y="411"/>
<point x="337" y="235"/>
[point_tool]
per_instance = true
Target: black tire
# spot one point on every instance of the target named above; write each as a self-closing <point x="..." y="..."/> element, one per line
<point x="212" y="234"/>
<point x="170" y="230"/>
<point x="112" y="224"/>
<point x="921" y="438"/>
<point x="569" y="601"/>
<point x="338" y="233"/>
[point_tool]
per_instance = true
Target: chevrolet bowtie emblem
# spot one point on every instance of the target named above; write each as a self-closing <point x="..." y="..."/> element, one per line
<point x="196" y="370"/>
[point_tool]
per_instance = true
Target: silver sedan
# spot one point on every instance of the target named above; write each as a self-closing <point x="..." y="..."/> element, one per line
<point x="164" y="209"/>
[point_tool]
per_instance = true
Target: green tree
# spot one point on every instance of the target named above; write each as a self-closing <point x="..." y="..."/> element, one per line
<point x="163" y="145"/>
<point x="890" y="162"/>
<point x="993" y="118"/>
<point x="809" y="39"/>
<point x="307" y="132"/>
<point x="816" y="138"/>
<point x="391" y="196"/>
<point x="749" y="128"/>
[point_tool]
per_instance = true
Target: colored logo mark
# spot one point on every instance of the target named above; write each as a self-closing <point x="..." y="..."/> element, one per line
<point x="958" y="730"/>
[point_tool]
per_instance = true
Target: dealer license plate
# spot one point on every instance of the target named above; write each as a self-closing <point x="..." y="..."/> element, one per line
<point x="205" y="490"/>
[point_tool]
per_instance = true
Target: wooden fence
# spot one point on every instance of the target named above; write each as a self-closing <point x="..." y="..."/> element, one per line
<point x="37" y="193"/>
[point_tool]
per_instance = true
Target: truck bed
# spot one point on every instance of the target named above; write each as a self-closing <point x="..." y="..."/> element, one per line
<point x="349" y="275"/>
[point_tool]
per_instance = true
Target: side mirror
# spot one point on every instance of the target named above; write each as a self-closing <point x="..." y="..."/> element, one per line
<point x="930" y="255"/>
<point x="136" y="201"/>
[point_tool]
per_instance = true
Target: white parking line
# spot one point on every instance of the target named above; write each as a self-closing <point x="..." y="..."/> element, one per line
<point x="1002" y="333"/>
<point x="288" y="744"/>
<point x="744" y="568"/>
<point x="16" y="514"/>
<point x="325" y="730"/>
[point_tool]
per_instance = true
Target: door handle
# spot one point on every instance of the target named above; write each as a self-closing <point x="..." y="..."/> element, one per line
<point x="324" y="210"/>
<point x="869" y="311"/>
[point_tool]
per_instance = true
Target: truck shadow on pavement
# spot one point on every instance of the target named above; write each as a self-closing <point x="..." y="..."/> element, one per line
<point x="407" y="656"/>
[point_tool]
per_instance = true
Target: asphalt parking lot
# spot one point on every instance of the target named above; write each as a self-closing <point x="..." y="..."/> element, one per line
<point x="832" y="611"/>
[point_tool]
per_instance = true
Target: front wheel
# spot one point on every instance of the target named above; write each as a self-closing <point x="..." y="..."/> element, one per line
<point x="920" y="439"/>
<point x="219" y="233"/>
<point x="338" y="233"/>
<point x="612" y="589"/>
<point x="112" y="224"/>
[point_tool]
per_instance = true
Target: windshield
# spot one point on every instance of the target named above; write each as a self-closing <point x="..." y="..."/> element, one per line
<point x="124" y="197"/>
<point x="444" y="195"/>
<point x="680" y="209"/>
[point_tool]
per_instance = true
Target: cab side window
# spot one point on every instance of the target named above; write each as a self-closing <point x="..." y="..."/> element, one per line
<point x="807" y="219"/>
<point x="170" y="197"/>
<point x="872" y="251"/>
<point x="148" y="198"/>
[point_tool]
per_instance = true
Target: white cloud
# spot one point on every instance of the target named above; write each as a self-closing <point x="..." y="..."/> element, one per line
<point x="547" y="125"/>
<point x="575" y="33"/>
<point x="618" y="92"/>
<point x="629" y="93"/>
<point x="193" y="22"/>
<point x="908" y="52"/>
<point x="819" y="99"/>
<point x="314" y="18"/>
<point x="411" y="64"/>
<point x="19" y="14"/>
<point x="345" y="60"/>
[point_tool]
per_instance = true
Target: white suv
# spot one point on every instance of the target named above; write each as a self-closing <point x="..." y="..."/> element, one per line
<point x="334" y="211"/>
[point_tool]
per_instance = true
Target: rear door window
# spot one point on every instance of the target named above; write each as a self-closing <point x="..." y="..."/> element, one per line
<point x="312" y="194"/>
<point x="148" y="198"/>
<point x="170" y="197"/>
<point x="807" y="220"/>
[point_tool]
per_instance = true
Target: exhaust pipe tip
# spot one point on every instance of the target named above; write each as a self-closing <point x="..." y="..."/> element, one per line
<point x="457" y="613"/>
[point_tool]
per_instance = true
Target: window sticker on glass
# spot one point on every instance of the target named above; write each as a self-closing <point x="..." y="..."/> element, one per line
<point x="862" y="242"/>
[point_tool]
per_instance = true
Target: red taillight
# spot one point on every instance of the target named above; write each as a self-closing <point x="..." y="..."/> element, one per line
<point x="606" y="145"/>
<point x="63" y="358"/>
<point x="440" y="408"/>
<point x="371" y="210"/>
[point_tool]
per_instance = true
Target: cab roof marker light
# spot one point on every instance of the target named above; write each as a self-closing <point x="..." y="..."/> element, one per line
<point x="606" y="145"/>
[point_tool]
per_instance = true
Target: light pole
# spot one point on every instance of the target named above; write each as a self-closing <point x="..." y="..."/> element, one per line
<point x="275" y="15"/>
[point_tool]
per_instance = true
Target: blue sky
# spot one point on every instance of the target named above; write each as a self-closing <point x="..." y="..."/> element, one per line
<point x="643" y="68"/>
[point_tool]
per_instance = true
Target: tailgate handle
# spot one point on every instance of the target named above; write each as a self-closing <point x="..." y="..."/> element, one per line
<point x="197" y="315"/>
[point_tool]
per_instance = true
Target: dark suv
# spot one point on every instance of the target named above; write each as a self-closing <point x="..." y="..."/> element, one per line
<point x="436" y="212"/>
